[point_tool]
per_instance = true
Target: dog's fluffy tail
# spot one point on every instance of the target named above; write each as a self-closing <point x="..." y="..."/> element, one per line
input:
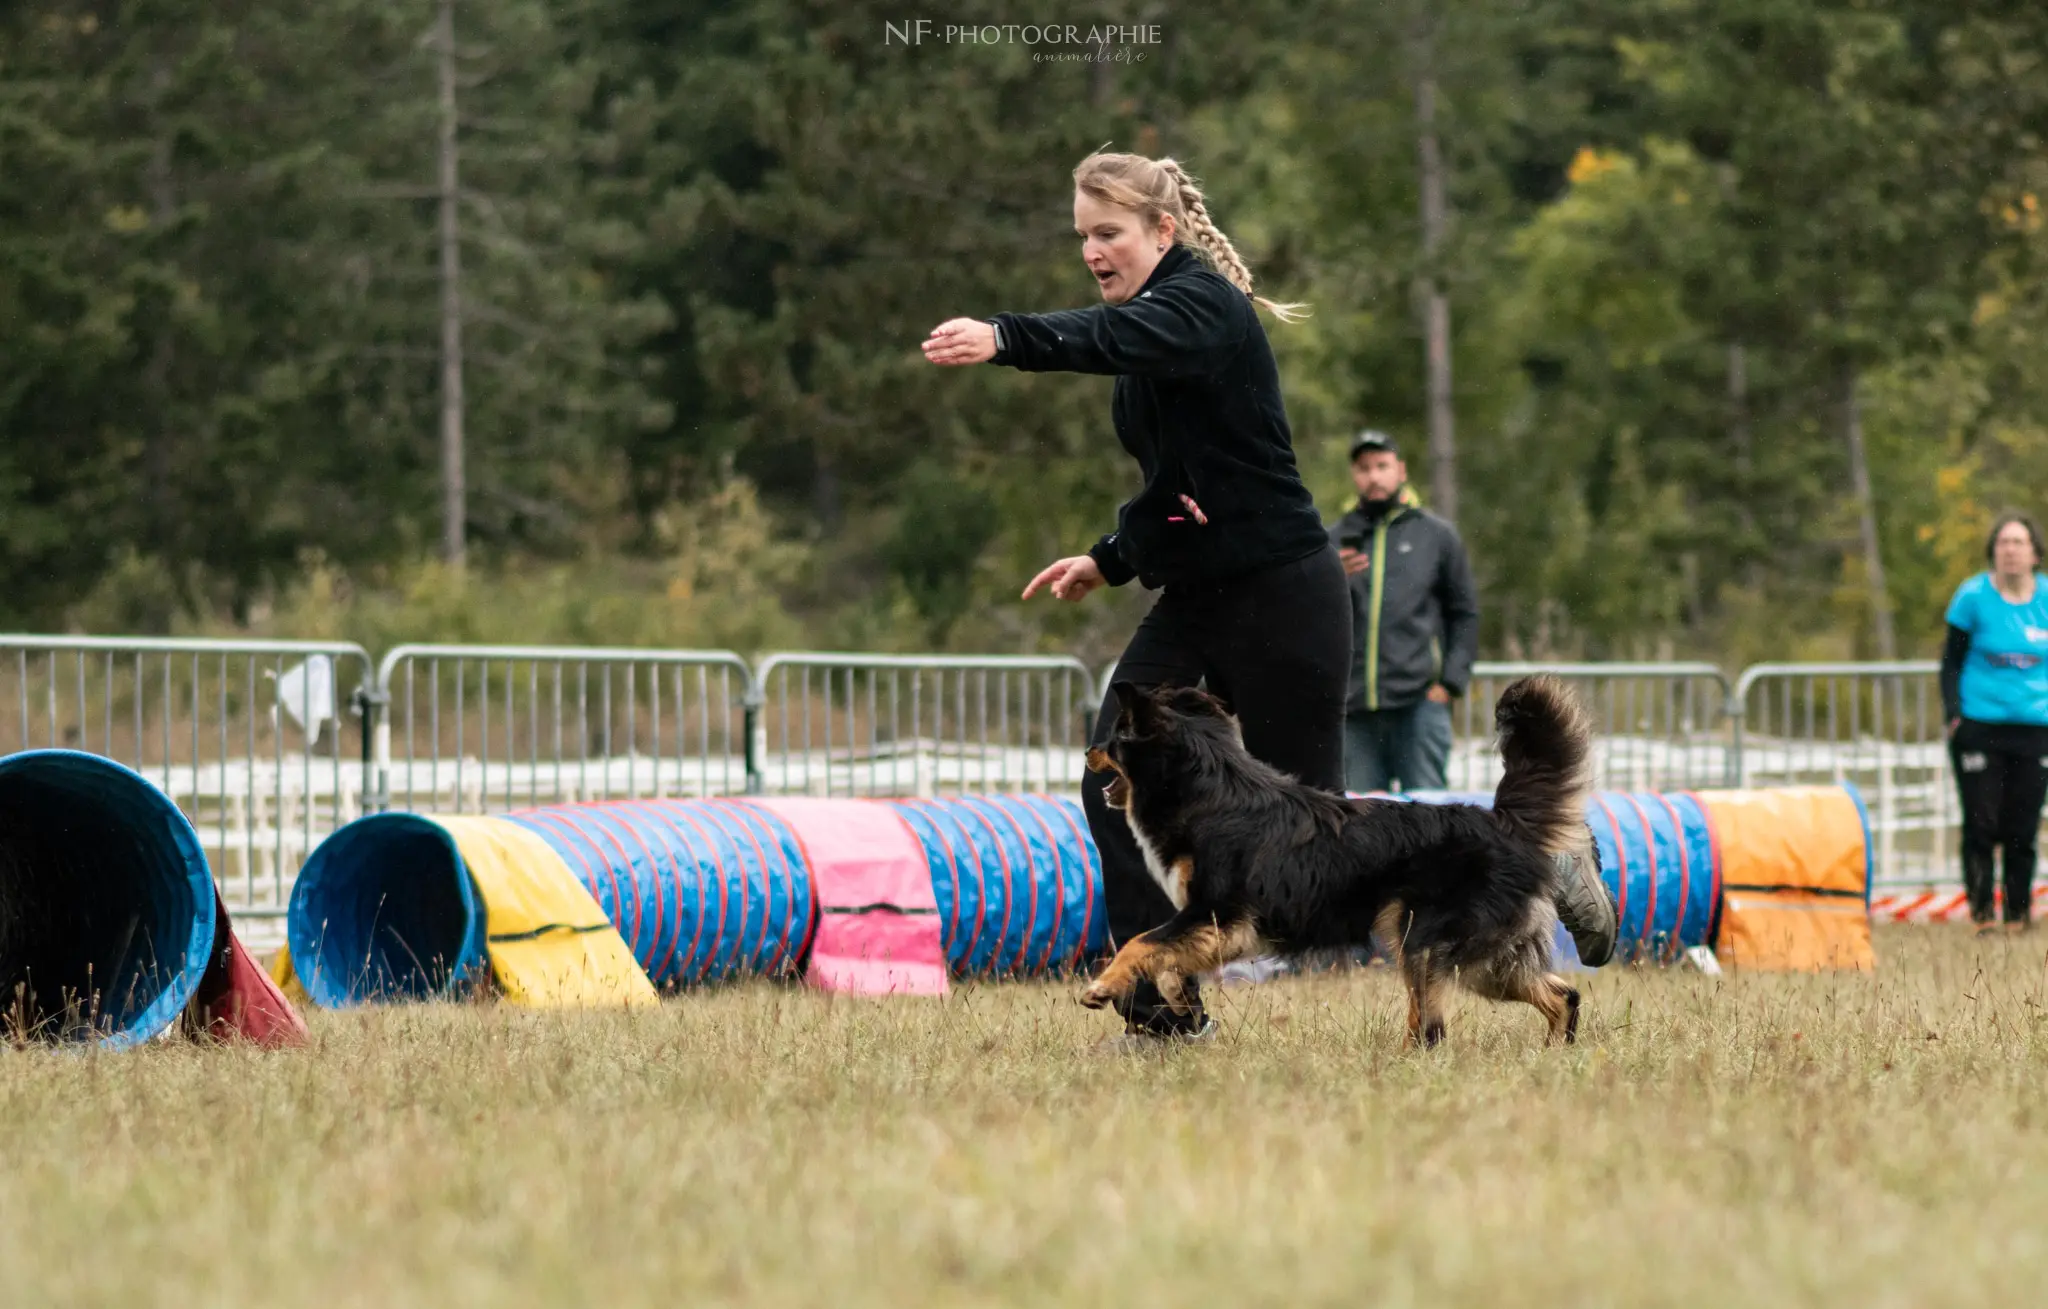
<point x="1546" y="741"/>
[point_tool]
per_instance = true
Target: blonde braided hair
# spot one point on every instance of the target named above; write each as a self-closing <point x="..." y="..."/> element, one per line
<point x="1156" y="187"/>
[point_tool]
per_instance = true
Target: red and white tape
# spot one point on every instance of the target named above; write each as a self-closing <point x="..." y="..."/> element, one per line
<point x="1934" y="904"/>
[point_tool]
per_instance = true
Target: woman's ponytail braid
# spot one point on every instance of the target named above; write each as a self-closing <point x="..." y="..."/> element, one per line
<point x="1218" y="246"/>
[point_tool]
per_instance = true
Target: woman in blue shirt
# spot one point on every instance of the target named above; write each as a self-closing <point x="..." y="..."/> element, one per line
<point x="1994" y="689"/>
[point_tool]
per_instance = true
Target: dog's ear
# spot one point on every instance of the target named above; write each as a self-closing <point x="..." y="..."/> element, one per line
<point x="1196" y="703"/>
<point x="1133" y="702"/>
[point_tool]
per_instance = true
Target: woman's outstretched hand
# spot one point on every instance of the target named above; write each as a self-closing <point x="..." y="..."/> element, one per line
<point x="1070" y="579"/>
<point x="961" y="341"/>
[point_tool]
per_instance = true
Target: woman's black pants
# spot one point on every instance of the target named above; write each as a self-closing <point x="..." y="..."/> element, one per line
<point x="1275" y="647"/>
<point x="2000" y="777"/>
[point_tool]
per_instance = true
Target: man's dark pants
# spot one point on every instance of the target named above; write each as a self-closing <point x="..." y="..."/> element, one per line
<point x="1410" y="745"/>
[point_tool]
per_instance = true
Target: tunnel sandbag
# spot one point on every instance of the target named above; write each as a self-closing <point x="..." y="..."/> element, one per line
<point x="1657" y="858"/>
<point x="236" y="999"/>
<point x="878" y="929"/>
<point x="384" y="910"/>
<point x="411" y="907"/>
<point x="701" y="890"/>
<point x="107" y="907"/>
<point x="1796" y="876"/>
<point x="1017" y="881"/>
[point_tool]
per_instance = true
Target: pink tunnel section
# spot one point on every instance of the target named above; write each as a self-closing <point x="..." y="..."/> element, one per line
<point x="878" y="921"/>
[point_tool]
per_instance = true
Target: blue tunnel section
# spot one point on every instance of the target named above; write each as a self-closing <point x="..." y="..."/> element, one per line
<point x="1017" y="881"/>
<point x="106" y="901"/>
<point x="1657" y="855"/>
<point x="701" y="890"/>
<point x="385" y="910"/>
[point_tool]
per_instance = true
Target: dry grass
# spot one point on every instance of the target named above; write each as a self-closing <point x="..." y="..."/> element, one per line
<point x="1753" y="1141"/>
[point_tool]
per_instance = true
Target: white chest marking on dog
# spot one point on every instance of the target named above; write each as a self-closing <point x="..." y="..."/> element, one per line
<point x="1155" y="865"/>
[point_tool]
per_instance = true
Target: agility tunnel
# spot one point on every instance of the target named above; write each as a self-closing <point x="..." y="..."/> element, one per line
<point x="865" y="895"/>
<point x="110" y="927"/>
<point x="594" y="903"/>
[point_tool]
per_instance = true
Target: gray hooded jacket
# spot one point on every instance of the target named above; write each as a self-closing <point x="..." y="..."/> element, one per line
<point x="1414" y="611"/>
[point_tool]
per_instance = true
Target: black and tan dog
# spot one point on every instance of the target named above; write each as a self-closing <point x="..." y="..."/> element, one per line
<point x="1254" y="860"/>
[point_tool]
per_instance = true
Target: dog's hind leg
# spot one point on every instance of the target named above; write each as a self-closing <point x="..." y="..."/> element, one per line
<point x="1571" y="1005"/>
<point x="1556" y="999"/>
<point x="1524" y="974"/>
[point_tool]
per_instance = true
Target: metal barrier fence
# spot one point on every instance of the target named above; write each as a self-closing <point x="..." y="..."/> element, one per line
<point x="247" y="737"/>
<point x="1660" y="727"/>
<point x="1878" y="725"/>
<point x="485" y="728"/>
<point x="839" y="724"/>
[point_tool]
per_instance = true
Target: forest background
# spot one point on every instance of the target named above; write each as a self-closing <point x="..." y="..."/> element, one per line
<point x="1718" y="324"/>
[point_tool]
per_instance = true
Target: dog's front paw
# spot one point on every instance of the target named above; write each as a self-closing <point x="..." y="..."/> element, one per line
<point x="1098" y="996"/>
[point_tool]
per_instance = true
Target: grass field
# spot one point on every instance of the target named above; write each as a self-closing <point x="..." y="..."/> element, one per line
<point x="1745" y="1141"/>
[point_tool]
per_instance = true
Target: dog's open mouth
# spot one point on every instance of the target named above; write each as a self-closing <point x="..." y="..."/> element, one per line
<point x="1117" y="794"/>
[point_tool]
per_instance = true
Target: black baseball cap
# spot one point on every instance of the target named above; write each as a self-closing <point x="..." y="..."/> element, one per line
<point x="1373" y="439"/>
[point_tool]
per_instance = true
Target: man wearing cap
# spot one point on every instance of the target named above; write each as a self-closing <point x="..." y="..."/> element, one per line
<point x="1414" y="626"/>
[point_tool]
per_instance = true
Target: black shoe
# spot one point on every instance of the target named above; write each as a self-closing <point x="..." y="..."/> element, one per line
<point x="1140" y="1040"/>
<point x="1146" y="1011"/>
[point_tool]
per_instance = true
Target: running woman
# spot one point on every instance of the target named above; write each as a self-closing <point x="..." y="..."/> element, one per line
<point x="1253" y="600"/>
